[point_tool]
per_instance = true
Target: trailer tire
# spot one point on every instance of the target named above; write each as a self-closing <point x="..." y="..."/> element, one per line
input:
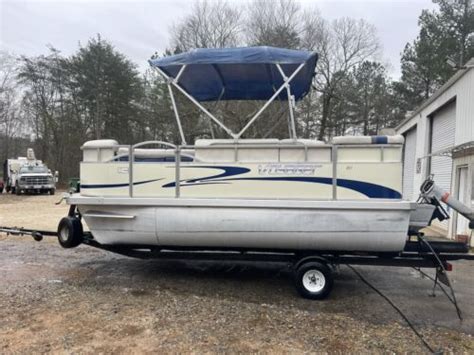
<point x="313" y="280"/>
<point x="70" y="232"/>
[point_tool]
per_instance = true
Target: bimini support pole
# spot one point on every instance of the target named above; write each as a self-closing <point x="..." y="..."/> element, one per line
<point x="178" y="120"/>
<point x="290" y="102"/>
<point x="194" y="101"/>
<point x="283" y="86"/>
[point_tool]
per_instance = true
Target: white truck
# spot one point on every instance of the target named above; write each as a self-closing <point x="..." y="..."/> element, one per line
<point x="28" y="175"/>
<point x="11" y="167"/>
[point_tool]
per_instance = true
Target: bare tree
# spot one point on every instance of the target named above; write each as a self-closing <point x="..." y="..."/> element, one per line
<point x="209" y="25"/>
<point x="274" y="23"/>
<point x="10" y="105"/>
<point x="342" y="45"/>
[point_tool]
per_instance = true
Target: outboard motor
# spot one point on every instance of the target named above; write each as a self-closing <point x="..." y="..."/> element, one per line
<point x="433" y="194"/>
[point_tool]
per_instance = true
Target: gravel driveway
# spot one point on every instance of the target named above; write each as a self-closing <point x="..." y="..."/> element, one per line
<point x="85" y="300"/>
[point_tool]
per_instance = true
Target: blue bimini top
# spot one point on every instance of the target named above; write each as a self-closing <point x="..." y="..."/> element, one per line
<point x="248" y="73"/>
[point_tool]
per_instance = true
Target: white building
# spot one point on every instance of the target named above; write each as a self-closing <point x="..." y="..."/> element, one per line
<point x="439" y="140"/>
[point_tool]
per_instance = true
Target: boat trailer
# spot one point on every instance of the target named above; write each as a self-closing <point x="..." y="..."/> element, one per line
<point x="313" y="269"/>
<point x="419" y="253"/>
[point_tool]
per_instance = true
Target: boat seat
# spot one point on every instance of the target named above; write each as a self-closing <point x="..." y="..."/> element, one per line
<point x="397" y="139"/>
<point x="210" y="142"/>
<point x="309" y="150"/>
<point x="100" y="150"/>
<point x="353" y="149"/>
<point x="307" y="142"/>
<point x="242" y="150"/>
<point x="247" y="150"/>
<point x="155" y="154"/>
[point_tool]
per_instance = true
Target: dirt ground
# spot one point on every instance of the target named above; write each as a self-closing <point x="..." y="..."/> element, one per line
<point x="88" y="301"/>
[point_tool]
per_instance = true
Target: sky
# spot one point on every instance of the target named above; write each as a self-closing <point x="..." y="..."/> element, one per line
<point x="139" y="28"/>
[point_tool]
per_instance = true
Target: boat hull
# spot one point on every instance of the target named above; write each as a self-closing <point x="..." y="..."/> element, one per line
<point x="371" y="226"/>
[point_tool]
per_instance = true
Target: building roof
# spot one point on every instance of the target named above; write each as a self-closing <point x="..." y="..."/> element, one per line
<point x="458" y="75"/>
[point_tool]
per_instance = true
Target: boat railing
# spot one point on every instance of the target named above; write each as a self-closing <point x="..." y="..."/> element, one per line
<point x="177" y="149"/>
<point x="177" y="155"/>
<point x="131" y="159"/>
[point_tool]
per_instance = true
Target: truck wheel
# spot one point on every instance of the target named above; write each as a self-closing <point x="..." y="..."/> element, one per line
<point x="17" y="191"/>
<point x="314" y="280"/>
<point x="70" y="233"/>
<point x="52" y="191"/>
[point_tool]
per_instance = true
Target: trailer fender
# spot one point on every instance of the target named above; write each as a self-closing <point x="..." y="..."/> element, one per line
<point x="310" y="258"/>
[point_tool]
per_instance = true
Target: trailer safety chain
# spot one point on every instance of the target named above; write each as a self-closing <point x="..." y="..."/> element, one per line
<point x="399" y="311"/>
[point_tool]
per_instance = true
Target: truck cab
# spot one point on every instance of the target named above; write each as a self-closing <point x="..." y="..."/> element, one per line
<point x="35" y="179"/>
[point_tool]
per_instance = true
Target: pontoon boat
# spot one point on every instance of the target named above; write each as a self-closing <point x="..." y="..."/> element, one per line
<point x="306" y="201"/>
<point x="245" y="193"/>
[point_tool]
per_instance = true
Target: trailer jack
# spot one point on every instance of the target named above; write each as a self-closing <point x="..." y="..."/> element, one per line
<point x="442" y="277"/>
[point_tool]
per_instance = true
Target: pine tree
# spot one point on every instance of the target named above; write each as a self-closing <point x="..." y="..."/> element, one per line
<point x="109" y="87"/>
<point x="447" y="33"/>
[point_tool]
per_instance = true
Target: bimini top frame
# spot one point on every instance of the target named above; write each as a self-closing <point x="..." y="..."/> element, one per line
<point x="250" y="73"/>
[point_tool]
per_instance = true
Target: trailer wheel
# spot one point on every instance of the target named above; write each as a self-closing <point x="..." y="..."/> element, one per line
<point x="314" y="280"/>
<point x="70" y="233"/>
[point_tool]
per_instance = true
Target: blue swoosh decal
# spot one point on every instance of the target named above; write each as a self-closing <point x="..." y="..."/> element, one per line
<point x="105" y="186"/>
<point x="368" y="189"/>
<point x="228" y="171"/>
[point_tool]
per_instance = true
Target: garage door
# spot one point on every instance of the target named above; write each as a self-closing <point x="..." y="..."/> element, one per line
<point x="409" y="163"/>
<point x="442" y="137"/>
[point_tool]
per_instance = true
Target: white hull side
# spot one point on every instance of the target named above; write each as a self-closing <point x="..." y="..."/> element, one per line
<point x="375" y="226"/>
